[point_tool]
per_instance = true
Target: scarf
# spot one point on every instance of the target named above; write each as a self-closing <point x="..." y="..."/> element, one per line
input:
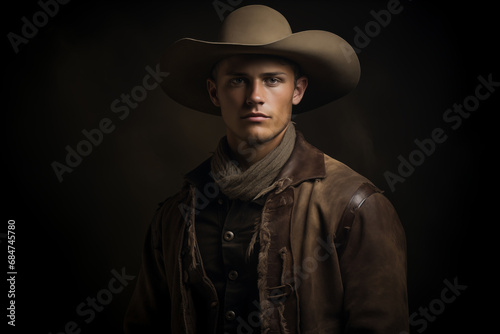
<point x="258" y="179"/>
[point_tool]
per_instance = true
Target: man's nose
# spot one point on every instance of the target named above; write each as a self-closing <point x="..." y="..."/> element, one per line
<point x="255" y="93"/>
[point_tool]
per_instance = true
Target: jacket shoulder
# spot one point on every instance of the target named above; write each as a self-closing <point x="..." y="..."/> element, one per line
<point x="341" y="183"/>
<point x="341" y="176"/>
<point x="179" y="202"/>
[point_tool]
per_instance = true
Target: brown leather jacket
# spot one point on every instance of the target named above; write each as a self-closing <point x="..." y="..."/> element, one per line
<point x="304" y="286"/>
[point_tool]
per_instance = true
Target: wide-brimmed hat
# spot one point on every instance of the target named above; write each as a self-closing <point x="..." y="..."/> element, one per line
<point x="328" y="61"/>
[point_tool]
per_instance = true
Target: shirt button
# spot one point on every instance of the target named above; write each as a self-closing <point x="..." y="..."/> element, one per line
<point x="233" y="274"/>
<point x="228" y="235"/>
<point x="230" y="315"/>
<point x="220" y="201"/>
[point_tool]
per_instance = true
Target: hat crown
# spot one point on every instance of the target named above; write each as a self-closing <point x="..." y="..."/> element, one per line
<point x="254" y="24"/>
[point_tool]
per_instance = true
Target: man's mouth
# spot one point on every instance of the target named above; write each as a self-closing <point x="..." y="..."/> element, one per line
<point x="255" y="117"/>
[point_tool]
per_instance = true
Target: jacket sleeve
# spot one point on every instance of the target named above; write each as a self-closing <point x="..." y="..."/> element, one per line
<point x="149" y="307"/>
<point x="373" y="270"/>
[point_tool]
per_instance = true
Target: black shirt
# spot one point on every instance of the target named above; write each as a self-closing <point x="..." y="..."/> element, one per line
<point x="224" y="229"/>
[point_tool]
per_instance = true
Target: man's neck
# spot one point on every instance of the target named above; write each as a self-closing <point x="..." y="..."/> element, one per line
<point x="247" y="153"/>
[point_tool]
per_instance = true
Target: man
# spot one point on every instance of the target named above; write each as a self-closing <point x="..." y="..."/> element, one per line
<point x="269" y="235"/>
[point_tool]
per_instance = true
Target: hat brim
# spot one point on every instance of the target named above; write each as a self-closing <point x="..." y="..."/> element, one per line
<point x="328" y="61"/>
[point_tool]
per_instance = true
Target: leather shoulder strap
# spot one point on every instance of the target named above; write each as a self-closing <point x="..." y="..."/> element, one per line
<point x="364" y="191"/>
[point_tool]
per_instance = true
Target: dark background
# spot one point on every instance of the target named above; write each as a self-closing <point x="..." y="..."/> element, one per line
<point x="70" y="235"/>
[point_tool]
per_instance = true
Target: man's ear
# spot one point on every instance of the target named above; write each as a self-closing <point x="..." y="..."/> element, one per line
<point x="212" y="91"/>
<point x="300" y="89"/>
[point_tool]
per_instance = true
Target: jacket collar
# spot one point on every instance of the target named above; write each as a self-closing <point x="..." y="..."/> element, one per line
<point x="305" y="163"/>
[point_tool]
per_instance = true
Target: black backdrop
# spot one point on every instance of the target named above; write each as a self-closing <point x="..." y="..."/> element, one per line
<point x="73" y="237"/>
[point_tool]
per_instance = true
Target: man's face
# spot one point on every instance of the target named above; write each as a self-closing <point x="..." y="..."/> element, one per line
<point x="255" y="94"/>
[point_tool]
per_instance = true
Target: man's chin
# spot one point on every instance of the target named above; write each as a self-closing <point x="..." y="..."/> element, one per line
<point x="256" y="136"/>
<point x="259" y="136"/>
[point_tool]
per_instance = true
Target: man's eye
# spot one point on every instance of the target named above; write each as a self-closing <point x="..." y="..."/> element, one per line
<point x="273" y="81"/>
<point x="237" y="81"/>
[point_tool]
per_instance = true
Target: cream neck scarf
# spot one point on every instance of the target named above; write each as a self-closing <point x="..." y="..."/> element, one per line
<point x="259" y="178"/>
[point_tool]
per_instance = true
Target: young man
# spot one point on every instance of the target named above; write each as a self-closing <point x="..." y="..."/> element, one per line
<point x="269" y="235"/>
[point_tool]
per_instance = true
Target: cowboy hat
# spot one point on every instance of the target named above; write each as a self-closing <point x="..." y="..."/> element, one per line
<point x="328" y="61"/>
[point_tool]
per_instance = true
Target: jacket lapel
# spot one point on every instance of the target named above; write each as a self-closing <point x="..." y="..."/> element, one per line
<point x="303" y="154"/>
